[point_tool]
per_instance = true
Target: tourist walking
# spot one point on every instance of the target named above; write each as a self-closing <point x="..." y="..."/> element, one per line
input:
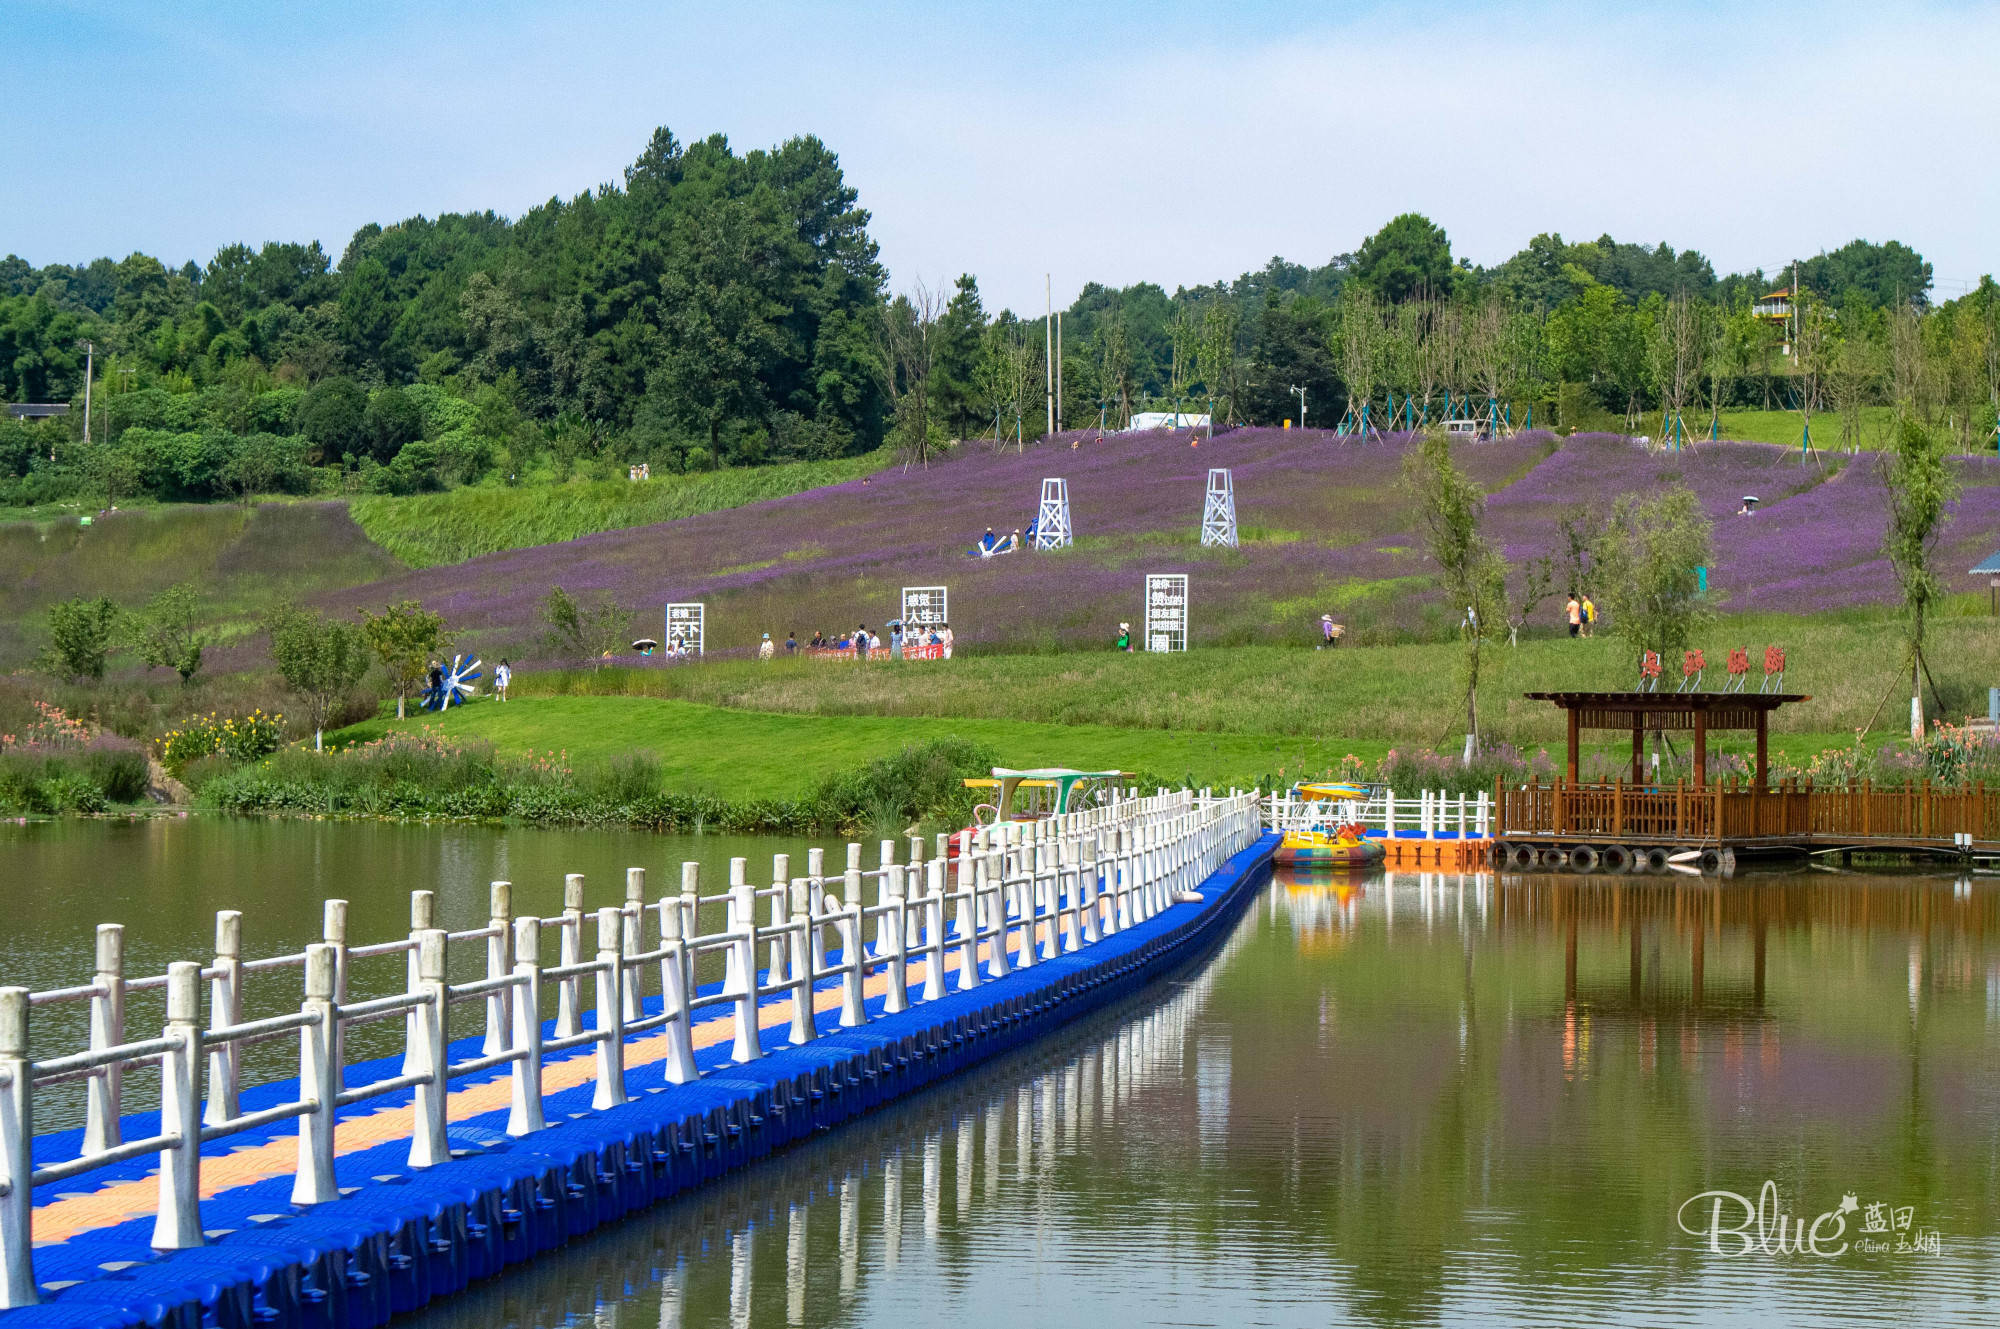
<point x="944" y="635"/>
<point x="895" y="639"/>
<point x="1589" y="617"/>
<point x="765" y="650"/>
<point x="1574" y="611"/>
<point x="1124" y="642"/>
<point x="1329" y="632"/>
<point x="861" y="642"/>
<point x="791" y="642"/>
<point x="501" y="678"/>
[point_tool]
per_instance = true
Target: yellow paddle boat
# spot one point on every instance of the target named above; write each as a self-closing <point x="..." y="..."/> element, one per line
<point x="1319" y="838"/>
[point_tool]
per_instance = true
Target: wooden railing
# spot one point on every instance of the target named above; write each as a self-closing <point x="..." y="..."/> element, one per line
<point x="1730" y="811"/>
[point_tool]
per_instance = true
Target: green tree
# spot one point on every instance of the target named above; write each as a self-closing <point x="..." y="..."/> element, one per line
<point x="1645" y="569"/>
<point x="391" y="420"/>
<point x="580" y="630"/>
<point x="320" y="659"/>
<point x="333" y="416"/>
<point x="1471" y="572"/>
<point x="168" y="632"/>
<point x="80" y="635"/>
<point x="1409" y="256"/>
<point x="407" y="639"/>
<point x="1921" y="488"/>
<point x="956" y="358"/>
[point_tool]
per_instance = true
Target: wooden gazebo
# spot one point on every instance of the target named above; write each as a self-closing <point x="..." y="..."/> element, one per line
<point x="1639" y="712"/>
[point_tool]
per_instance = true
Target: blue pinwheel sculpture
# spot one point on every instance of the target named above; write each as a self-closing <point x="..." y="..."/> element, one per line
<point x="453" y="685"/>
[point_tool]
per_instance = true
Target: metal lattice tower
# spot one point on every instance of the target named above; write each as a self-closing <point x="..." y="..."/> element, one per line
<point x="1052" y="520"/>
<point x="1218" y="514"/>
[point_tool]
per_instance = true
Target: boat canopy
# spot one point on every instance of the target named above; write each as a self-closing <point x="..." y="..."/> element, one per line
<point x="1062" y="779"/>
<point x="1334" y="790"/>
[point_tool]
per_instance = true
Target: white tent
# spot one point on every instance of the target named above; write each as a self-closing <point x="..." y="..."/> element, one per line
<point x="1168" y="420"/>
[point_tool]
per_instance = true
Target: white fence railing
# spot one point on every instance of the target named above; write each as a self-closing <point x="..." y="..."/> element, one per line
<point x="1431" y="813"/>
<point x="1019" y="894"/>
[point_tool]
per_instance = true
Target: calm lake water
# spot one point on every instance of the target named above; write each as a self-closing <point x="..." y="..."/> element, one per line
<point x="1383" y="1101"/>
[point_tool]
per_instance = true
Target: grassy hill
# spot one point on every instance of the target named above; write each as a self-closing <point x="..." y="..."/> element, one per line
<point x="1326" y="529"/>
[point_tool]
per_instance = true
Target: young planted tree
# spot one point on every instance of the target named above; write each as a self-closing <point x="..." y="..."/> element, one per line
<point x="1645" y="570"/>
<point x="1679" y="342"/>
<point x="582" y="631"/>
<point x="910" y="343"/>
<point x="1219" y="367"/>
<point x="320" y="660"/>
<point x="1358" y="344"/>
<point x="1921" y="486"/>
<point x="1471" y="572"/>
<point x="1537" y="584"/>
<point x="80" y="635"/>
<point x="1813" y="353"/>
<point x="406" y="638"/>
<point x="168" y="638"/>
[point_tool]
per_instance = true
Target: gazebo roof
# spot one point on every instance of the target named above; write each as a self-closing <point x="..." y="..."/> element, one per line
<point x="1668" y="710"/>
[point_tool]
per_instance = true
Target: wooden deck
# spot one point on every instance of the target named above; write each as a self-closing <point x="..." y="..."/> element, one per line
<point x="1792" y="816"/>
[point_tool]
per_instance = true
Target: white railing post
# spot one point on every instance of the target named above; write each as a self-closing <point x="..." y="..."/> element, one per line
<point x="896" y="999"/>
<point x="633" y="982"/>
<point x="1086" y="886"/>
<point x="1121" y="868"/>
<point x="318" y="1085"/>
<point x="1048" y="874"/>
<point x="423" y="917"/>
<point x="736" y="974"/>
<point x="17" y="1136"/>
<point x="690" y="911"/>
<point x="853" y="1005"/>
<point x="881" y="945"/>
<point x="104" y="1095"/>
<point x="499" y="964"/>
<point x="801" y="972"/>
<point x="225" y="1008"/>
<point x="816" y="904"/>
<point x="743" y="902"/>
<point x="679" y="1064"/>
<point x="610" y="983"/>
<point x="333" y="933"/>
<point x="569" y="951"/>
<point x="991" y="910"/>
<point x="933" y="929"/>
<point x="429" y="1053"/>
<point x="177" y="1223"/>
<point x="781" y="879"/>
<point x="965" y="920"/>
<point x="524" y="1102"/>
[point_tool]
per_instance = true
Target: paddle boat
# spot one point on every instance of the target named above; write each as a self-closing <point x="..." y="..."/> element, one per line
<point x="1318" y="837"/>
<point x="1031" y="795"/>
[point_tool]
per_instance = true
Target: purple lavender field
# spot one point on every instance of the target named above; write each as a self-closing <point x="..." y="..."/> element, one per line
<point x="1324" y="525"/>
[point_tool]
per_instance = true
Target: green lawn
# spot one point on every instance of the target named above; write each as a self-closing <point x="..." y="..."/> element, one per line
<point x="741" y="754"/>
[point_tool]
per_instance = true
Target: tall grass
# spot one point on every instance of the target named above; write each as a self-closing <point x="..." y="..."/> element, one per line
<point x="427" y="530"/>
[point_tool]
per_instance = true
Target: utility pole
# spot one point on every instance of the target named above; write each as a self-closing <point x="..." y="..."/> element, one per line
<point x="1058" y="368"/>
<point x="1302" y="404"/>
<point x="89" y="368"/>
<point x="1049" y="347"/>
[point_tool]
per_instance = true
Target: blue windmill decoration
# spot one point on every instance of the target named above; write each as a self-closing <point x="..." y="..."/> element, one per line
<point x="451" y="686"/>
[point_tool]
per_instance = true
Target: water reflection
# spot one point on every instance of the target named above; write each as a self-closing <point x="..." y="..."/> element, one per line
<point x="1402" y="1100"/>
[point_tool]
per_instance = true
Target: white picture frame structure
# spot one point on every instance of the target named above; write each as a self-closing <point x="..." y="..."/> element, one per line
<point x="687" y="623"/>
<point x="1166" y="611"/>
<point x="925" y="607"/>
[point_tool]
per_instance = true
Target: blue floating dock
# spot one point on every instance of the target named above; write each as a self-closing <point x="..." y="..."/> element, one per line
<point x="399" y="1238"/>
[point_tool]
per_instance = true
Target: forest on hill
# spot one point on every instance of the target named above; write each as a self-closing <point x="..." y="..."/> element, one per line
<point x="723" y="309"/>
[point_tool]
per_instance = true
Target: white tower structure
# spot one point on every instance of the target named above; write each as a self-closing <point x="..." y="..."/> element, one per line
<point x="1218" y="514"/>
<point x="1052" y="520"/>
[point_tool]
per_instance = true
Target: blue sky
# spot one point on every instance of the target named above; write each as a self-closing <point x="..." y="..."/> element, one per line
<point x="1165" y="141"/>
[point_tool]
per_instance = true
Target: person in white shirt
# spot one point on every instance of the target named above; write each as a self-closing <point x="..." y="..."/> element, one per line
<point x="501" y="678"/>
<point x="944" y="632"/>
